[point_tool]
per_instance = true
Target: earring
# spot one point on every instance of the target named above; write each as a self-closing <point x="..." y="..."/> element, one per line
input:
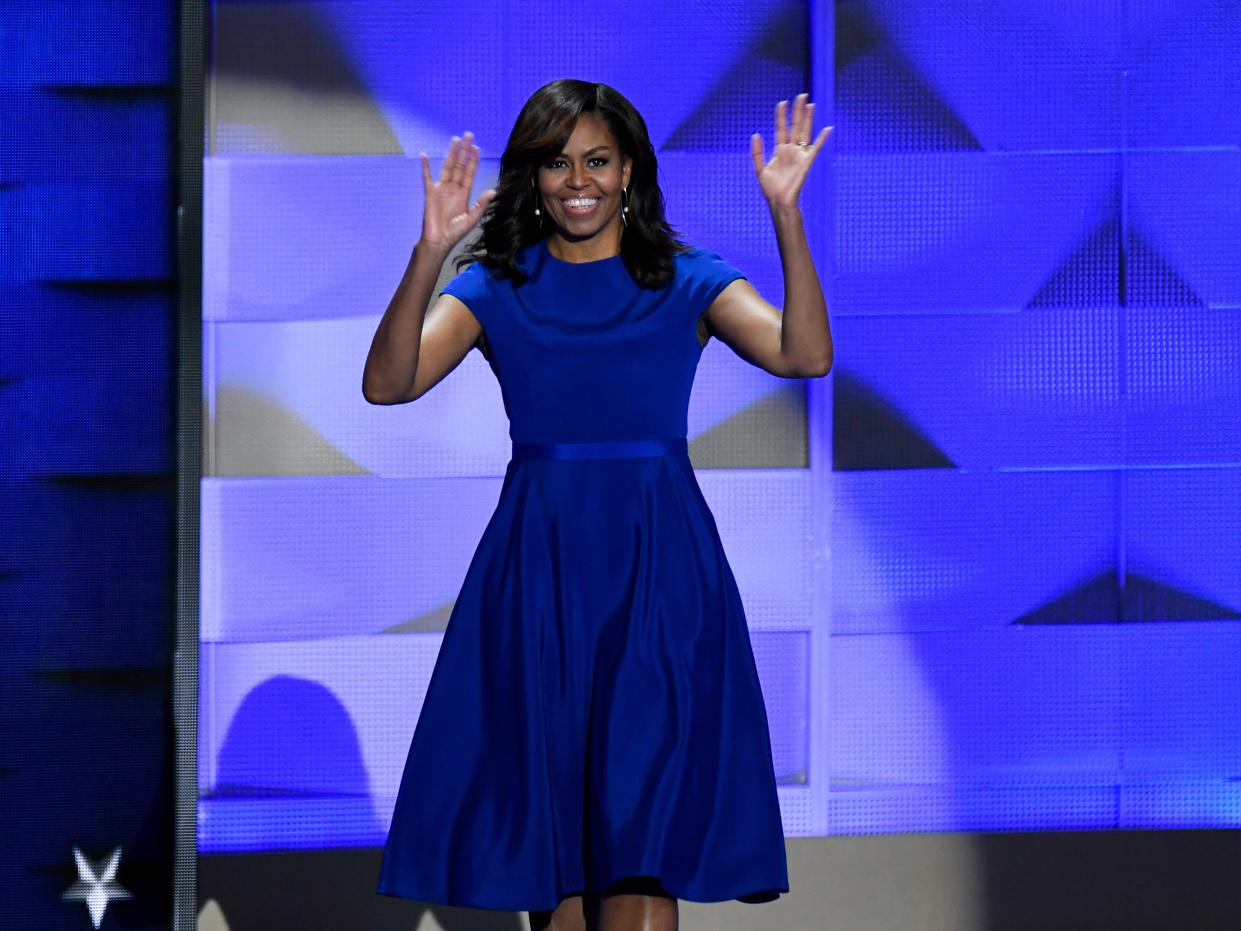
<point x="624" y="207"/>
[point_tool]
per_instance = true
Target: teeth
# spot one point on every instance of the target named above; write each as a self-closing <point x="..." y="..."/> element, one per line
<point x="582" y="202"/>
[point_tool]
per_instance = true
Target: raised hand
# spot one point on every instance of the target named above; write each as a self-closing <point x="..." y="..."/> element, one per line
<point x="447" y="215"/>
<point x="781" y="179"/>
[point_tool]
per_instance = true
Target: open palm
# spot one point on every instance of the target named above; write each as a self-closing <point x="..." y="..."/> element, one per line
<point x="447" y="214"/>
<point x="781" y="178"/>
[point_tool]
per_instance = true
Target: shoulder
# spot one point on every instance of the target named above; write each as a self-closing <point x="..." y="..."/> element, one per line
<point x="474" y="285"/>
<point x="477" y="274"/>
<point x="705" y="273"/>
<point x="696" y="260"/>
<point x="691" y="255"/>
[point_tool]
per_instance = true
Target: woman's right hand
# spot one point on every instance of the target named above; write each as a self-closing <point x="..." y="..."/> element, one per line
<point x="447" y="215"/>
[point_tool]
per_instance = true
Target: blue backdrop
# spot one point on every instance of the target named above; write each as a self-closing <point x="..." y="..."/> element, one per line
<point x="1035" y="546"/>
<point x="991" y="564"/>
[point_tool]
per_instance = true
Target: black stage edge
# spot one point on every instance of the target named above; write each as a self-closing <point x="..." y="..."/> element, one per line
<point x="1047" y="880"/>
<point x="191" y="54"/>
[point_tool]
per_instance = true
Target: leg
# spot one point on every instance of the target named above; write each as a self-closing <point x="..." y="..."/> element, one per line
<point x="568" y="916"/>
<point x="639" y="904"/>
<point x="626" y="912"/>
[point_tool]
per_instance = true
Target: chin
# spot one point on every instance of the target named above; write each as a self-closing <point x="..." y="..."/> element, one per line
<point x="575" y="231"/>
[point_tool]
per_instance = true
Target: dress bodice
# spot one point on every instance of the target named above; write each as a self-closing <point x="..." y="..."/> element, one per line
<point x="583" y="353"/>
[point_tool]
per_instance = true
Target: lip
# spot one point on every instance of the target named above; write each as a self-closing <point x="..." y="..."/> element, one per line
<point x="577" y="212"/>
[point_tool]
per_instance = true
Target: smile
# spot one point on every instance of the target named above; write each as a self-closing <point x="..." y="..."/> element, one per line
<point x="580" y="206"/>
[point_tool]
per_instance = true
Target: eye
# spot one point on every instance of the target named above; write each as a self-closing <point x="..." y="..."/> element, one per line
<point x="595" y="160"/>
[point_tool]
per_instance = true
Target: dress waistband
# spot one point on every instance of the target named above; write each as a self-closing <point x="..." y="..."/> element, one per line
<point x="615" y="449"/>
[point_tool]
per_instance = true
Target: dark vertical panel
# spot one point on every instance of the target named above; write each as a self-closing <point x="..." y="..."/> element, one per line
<point x="192" y="44"/>
<point x="86" y="459"/>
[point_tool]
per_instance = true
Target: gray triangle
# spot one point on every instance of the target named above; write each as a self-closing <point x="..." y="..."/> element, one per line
<point x="769" y="433"/>
<point x="282" y="82"/>
<point x="255" y="436"/>
<point x="433" y="621"/>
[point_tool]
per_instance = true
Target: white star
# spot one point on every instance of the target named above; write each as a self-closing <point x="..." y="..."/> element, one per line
<point x="96" y="885"/>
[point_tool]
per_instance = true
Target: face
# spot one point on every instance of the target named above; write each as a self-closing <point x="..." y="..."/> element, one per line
<point x="580" y="189"/>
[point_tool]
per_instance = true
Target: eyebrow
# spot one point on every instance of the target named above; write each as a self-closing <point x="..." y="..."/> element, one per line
<point x="605" y="148"/>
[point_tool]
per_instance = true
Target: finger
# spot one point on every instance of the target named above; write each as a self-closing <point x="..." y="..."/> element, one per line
<point x="799" y="119"/>
<point x="480" y="205"/>
<point x="426" y="173"/>
<point x="464" y="155"/>
<point x="450" y="159"/>
<point x="808" y="124"/>
<point x="471" y="165"/>
<point x="822" y="138"/>
<point x="460" y="156"/>
<point x="756" y="149"/>
<point x="782" y="132"/>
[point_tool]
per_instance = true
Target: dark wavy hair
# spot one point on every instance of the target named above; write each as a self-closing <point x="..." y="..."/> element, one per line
<point x="543" y="127"/>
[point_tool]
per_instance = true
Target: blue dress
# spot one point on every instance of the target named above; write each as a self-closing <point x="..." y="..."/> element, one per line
<point x="594" y="713"/>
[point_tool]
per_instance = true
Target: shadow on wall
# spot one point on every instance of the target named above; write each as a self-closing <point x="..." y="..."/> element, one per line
<point x="291" y="739"/>
<point x="289" y="774"/>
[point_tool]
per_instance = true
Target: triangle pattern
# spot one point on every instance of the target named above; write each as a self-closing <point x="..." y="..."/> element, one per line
<point x="1097" y="274"/>
<point x="775" y="68"/>
<point x="433" y="621"/>
<point x="1144" y="599"/>
<point x="256" y="435"/>
<point x="306" y="95"/>
<point x="882" y="103"/>
<point x="769" y="433"/>
<point x="1101" y="600"/>
<point x="868" y="432"/>
<point x="1095" y="601"/>
<point x="1089" y="276"/>
<point x="1150" y="281"/>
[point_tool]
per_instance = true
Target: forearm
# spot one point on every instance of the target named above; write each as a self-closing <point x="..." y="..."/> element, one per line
<point x="805" y="332"/>
<point x="392" y="361"/>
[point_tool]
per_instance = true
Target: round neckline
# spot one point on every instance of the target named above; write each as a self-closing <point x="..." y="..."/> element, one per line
<point x="548" y="252"/>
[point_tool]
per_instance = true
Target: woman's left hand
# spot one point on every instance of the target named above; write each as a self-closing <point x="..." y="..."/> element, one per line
<point x="781" y="178"/>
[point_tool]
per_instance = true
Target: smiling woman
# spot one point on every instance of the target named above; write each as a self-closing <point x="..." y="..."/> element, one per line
<point x="583" y="189"/>
<point x="594" y="740"/>
<point x="579" y="169"/>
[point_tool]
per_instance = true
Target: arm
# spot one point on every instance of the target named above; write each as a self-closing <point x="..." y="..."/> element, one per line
<point x="795" y="343"/>
<point x="414" y="348"/>
<point x="411" y="340"/>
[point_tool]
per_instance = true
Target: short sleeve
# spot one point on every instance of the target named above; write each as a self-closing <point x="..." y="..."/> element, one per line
<point x="473" y="288"/>
<point x="708" y="274"/>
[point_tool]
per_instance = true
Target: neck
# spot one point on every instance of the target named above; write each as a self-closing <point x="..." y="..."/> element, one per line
<point x="603" y="245"/>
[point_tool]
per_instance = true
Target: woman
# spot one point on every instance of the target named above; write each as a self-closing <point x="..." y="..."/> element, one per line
<point x="593" y="745"/>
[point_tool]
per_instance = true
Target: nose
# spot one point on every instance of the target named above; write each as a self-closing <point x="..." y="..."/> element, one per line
<point x="577" y="177"/>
